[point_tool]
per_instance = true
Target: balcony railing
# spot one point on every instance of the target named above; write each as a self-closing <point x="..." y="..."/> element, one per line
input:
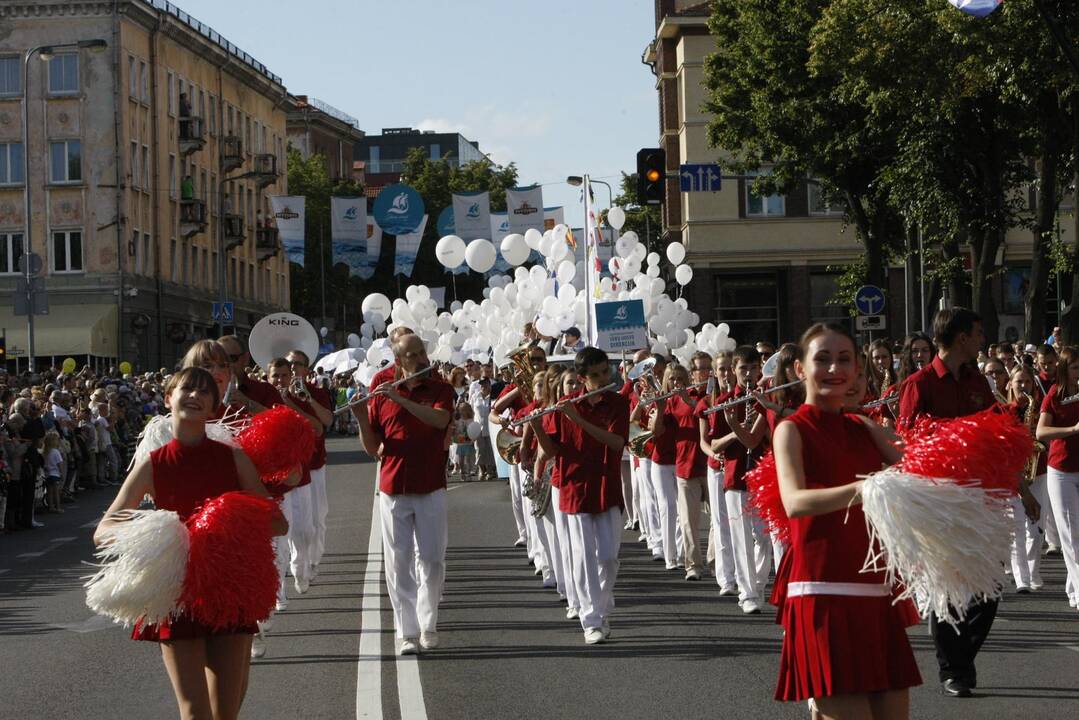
<point x="232" y="152"/>
<point x="192" y="217"/>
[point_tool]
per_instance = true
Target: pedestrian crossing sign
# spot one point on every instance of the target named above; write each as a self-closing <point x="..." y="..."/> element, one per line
<point x="224" y="313"/>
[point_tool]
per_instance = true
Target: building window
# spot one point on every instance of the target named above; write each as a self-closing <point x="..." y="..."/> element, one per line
<point x="134" y="164"/>
<point x="172" y="176"/>
<point x="195" y="266"/>
<point x="213" y="116"/>
<point x="64" y="74"/>
<point x="436" y="151"/>
<point x="205" y="268"/>
<point x="147" y="254"/>
<point x="146" y="174"/>
<point x="822" y="288"/>
<point x="11" y="162"/>
<point x="760" y="205"/>
<point x="213" y="275"/>
<point x="817" y="205"/>
<point x="374" y="162"/>
<point x="170" y="88"/>
<point x="132" y="77"/>
<point x="67" y="251"/>
<point x="144" y="78"/>
<point x="749" y="304"/>
<point x="10" y="252"/>
<point x="65" y="161"/>
<point x="10" y="76"/>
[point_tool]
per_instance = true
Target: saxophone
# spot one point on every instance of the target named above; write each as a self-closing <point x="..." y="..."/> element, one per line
<point x="1030" y="419"/>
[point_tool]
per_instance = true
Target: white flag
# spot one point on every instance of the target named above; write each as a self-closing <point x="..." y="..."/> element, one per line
<point x="525" y="209"/>
<point x="348" y="232"/>
<point x="288" y="212"/>
<point x="471" y="215"/>
<point x="374" y="251"/>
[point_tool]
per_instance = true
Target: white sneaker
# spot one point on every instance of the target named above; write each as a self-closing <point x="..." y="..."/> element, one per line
<point x="693" y="575"/>
<point x="266" y="625"/>
<point x="408" y="647"/>
<point x="429" y="640"/>
<point x="572" y="613"/>
<point x="258" y="645"/>
<point x="302" y="586"/>
<point x="726" y="590"/>
<point x="282" y="605"/>
<point x="750" y="606"/>
<point x="593" y="636"/>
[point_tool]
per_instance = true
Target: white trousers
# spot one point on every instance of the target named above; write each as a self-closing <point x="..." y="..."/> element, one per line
<point x="1027" y="542"/>
<point x="414" y="539"/>
<point x="629" y="499"/>
<point x="721" y="530"/>
<point x="516" y="502"/>
<point x="1064" y="497"/>
<point x="665" y="491"/>
<point x="565" y="550"/>
<point x="595" y="539"/>
<point x="539" y="546"/>
<point x="648" y="509"/>
<point x="553" y="545"/>
<point x="751" y="546"/>
<point x="281" y="551"/>
<point x="320" y="508"/>
<point x="1047" y="522"/>
<point x="301" y="532"/>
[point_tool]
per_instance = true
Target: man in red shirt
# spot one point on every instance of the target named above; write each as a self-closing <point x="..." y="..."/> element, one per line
<point x="321" y="404"/>
<point x="586" y="444"/>
<point x="405" y="427"/>
<point x="389" y="373"/>
<point x="254" y="395"/>
<point x="948" y="387"/>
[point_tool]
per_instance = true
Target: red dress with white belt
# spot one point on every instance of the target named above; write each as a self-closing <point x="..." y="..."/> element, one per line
<point x="185" y="477"/>
<point x="843" y="634"/>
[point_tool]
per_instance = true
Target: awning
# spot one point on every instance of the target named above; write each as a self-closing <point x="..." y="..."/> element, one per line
<point x="66" y="330"/>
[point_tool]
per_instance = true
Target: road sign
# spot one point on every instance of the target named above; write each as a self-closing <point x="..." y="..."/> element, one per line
<point x="869" y="300"/>
<point x="224" y="313"/>
<point x="870" y="322"/>
<point x="37" y="296"/>
<point x="699" y="177"/>
<point x="35" y="263"/>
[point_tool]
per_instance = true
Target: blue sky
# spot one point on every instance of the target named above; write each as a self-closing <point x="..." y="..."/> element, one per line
<point x="556" y="86"/>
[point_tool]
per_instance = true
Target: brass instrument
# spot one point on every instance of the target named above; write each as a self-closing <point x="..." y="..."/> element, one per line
<point x="299" y="389"/>
<point x="748" y="397"/>
<point x="885" y="382"/>
<point x="538" y="491"/>
<point x="523" y="372"/>
<point x="1030" y="419"/>
<point x="638" y="439"/>
<point x="508" y="446"/>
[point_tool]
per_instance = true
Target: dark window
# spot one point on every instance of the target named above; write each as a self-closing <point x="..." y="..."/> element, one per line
<point x="749" y="304"/>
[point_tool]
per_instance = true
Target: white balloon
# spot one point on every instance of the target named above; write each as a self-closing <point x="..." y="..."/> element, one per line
<point x="683" y="274"/>
<point x="353" y="339"/>
<point x="640" y="252"/>
<point x="614" y="265"/>
<point x="411" y="294"/>
<point x="377" y="304"/>
<point x="450" y="251"/>
<point x="566" y="271"/>
<point x="624" y="246"/>
<point x="532" y="238"/>
<point x="480" y="255"/>
<point x="474" y="430"/>
<point x="723" y="329"/>
<point x="653" y="258"/>
<point x="676" y="253"/>
<point x="515" y="249"/>
<point x="653" y="271"/>
<point x="546" y="245"/>
<point x="616" y="217"/>
<point x="559" y="232"/>
<point x="423" y="292"/>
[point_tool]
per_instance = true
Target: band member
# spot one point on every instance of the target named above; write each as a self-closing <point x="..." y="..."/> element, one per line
<point x="721" y="530"/>
<point x="541" y="550"/>
<point x="950" y="386"/>
<point x="392" y="371"/>
<point x="208" y="667"/>
<point x="405" y="427"/>
<point x="845" y="645"/>
<point x="321" y="404"/>
<point x="1025" y="400"/>
<point x="882" y="382"/>
<point x="664" y="480"/>
<point x="587" y="441"/>
<point x="917" y="352"/>
<point x="648" y="511"/>
<point x="254" y="395"/>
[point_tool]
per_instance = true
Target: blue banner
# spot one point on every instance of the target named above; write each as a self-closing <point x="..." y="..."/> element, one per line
<point x="398" y="209"/>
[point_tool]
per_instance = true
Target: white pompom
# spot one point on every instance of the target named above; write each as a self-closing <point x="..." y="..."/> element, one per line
<point x="142" y="568"/>
<point x="947" y="542"/>
<point x="157" y="433"/>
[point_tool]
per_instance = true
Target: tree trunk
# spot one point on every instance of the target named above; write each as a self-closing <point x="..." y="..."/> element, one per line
<point x="1069" y="319"/>
<point x="1034" y="302"/>
<point x="985" y="264"/>
<point x="872" y="240"/>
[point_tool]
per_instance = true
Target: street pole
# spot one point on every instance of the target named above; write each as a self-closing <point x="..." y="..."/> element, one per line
<point x="27" y="244"/>
<point x="921" y="273"/>
<point x="322" y="272"/>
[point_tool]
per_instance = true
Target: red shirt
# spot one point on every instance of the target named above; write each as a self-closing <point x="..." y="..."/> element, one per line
<point x="323" y="398"/>
<point x="518" y="402"/>
<point x="548" y="422"/>
<point x="414" y="453"/>
<point x="934" y="391"/>
<point x="591" y="472"/>
<point x="528" y="452"/>
<point x="263" y="393"/>
<point x="386" y="374"/>
<point x="735" y="455"/>
<point x="664" y="445"/>
<point x="717" y="426"/>
<point x="1063" y="454"/>
<point x="681" y="418"/>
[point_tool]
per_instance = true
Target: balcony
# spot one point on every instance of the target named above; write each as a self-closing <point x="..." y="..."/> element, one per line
<point x="192" y="217"/>
<point x="265" y="170"/>
<point x="232" y="153"/>
<point x="192" y="135"/>
<point x="234" y="231"/>
<point x="266" y="243"/>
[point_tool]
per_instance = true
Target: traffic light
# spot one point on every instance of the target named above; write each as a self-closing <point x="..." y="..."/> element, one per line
<point x="651" y="174"/>
<point x="3" y="348"/>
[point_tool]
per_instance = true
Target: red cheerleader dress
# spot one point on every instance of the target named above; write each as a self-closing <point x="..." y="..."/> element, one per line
<point x="843" y="634"/>
<point x="186" y="476"/>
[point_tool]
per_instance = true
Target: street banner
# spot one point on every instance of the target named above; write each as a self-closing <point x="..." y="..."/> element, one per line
<point x="620" y="326"/>
<point x="398" y="209"/>
<point x="288" y="212"/>
<point x="348" y="232"/>
<point x="471" y="215"/>
<point x="977" y="8"/>
<point x="445" y="224"/>
<point x="553" y="216"/>
<point x="525" y="209"/>
<point x="408" y="246"/>
<point x="374" y="251"/>
<point x="500" y="228"/>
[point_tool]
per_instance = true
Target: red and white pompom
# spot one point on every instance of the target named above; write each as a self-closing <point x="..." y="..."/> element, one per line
<point x="763" y="485"/>
<point x="277" y="441"/>
<point x="940" y="521"/>
<point x="231" y="577"/>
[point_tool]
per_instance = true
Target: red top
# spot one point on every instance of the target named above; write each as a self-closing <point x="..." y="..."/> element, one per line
<point x="263" y="393"/>
<point x="385" y="375"/>
<point x="549" y="427"/>
<point x="836" y="448"/>
<point x="664" y="445"/>
<point x="717" y="425"/>
<point x="681" y="418"/>
<point x="518" y="402"/>
<point x="591" y="472"/>
<point x="323" y="398"/>
<point x="414" y="453"/>
<point x="528" y="451"/>
<point x="627" y="389"/>
<point x="186" y="476"/>
<point x="1063" y="454"/>
<point x="1046" y="382"/>
<point x="882" y="414"/>
<point x="735" y="455"/>
<point x="934" y="391"/>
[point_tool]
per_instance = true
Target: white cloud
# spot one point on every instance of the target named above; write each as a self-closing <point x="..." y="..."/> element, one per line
<point x="500" y="133"/>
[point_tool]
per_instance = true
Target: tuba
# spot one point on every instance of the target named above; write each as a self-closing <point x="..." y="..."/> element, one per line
<point x="523" y="372"/>
<point x="638" y="439"/>
<point x="509" y="446"/>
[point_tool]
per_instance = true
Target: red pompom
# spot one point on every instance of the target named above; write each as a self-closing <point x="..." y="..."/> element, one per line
<point x="763" y="485"/>
<point x="231" y="577"/>
<point x="277" y="441"/>
<point x="992" y="446"/>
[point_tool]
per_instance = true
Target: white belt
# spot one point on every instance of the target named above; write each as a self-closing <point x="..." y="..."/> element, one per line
<point x="813" y="587"/>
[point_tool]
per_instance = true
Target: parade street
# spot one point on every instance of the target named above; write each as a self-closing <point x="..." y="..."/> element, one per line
<point x="677" y="649"/>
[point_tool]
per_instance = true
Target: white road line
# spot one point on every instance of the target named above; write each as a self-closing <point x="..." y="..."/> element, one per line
<point x="454" y="487"/>
<point x="63" y="539"/>
<point x="91" y="524"/>
<point x="369" y="662"/>
<point x="409" y="688"/>
<point x="4" y="570"/>
<point x="27" y="556"/>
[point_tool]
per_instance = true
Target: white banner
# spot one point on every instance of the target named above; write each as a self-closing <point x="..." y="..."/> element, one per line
<point x="500" y="228"/>
<point x="408" y="246"/>
<point x="288" y="212"/>
<point x="374" y="250"/>
<point x="524" y="206"/>
<point x="348" y="232"/>
<point x="471" y="215"/>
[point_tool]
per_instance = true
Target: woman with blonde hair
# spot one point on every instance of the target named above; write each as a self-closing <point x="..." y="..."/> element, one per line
<point x="1025" y="399"/>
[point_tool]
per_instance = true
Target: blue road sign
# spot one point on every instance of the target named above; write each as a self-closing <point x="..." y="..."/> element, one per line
<point x="869" y="300"/>
<point x="699" y="177"/>
<point x="224" y="313"/>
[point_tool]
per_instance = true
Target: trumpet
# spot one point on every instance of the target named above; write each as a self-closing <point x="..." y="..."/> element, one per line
<point x="554" y="408"/>
<point x="672" y="393"/>
<point x="360" y="400"/>
<point x="749" y="398"/>
<point x="299" y="389"/>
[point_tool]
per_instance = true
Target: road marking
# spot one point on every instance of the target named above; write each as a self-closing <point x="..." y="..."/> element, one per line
<point x="85" y="526"/>
<point x="409" y="688"/>
<point x="4" y="570"/>
<point x="455" y="487"/>
<point x="26" y="556"/>
<point x="369" y="661"/>
<point x="63" y="539"/>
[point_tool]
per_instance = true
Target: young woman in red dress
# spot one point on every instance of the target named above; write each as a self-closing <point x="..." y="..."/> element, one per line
<point x="845" y="645"/>
<point x="207" y="666"/>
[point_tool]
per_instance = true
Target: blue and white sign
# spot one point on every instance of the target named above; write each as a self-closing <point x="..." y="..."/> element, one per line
<point x="445" y="224"/>
<point x="348" y="232"/>
<point x="620" y="325"/>
<point x="696" y="177"/>
<point x="398" y="209"/>
<point x="471" y="215"/>
<point x="224" y="313"/>
<point x="869" y="300"/>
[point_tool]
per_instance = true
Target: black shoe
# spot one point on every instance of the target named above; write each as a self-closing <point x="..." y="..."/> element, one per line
<point x="955" y="688"/>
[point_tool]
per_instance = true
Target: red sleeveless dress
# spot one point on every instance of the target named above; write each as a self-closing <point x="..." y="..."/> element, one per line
<point x="843" y="634"/>
<point x="186" y="476"/>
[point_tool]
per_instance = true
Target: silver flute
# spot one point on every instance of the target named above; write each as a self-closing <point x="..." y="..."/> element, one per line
<point x="672" y="393"/>
<point x="554" y="408"/>
<point x="749" y="398"/>
<point x="360" y="400"/>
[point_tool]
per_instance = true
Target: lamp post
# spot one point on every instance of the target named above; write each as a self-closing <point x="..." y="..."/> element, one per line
<point x="577" y="181"/>
<point x="46" y="53"/>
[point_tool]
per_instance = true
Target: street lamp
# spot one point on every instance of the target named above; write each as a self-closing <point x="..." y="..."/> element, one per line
<point x="46" y="53"/>
<point x="577" y="181"/>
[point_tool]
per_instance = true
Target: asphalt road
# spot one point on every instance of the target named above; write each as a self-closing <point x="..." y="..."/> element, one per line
<point x="677" y="650"/>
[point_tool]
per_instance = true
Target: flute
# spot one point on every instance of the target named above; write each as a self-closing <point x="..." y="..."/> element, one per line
<point x="357" y="401"/>
<point x="554" y="408"/>
<point x="672" y="393"/>
<point x="749" y="398"/>
<point x="891" y="399"/>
